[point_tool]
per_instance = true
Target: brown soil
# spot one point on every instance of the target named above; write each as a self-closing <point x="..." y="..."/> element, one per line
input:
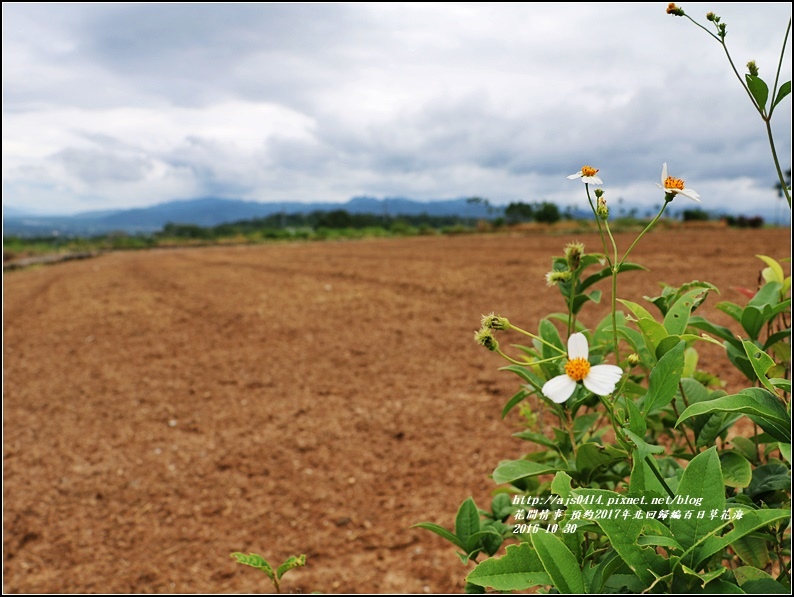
<point x="165" y="408"/>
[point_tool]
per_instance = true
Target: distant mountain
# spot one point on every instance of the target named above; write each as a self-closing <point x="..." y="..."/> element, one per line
<point x="210" y="211"/>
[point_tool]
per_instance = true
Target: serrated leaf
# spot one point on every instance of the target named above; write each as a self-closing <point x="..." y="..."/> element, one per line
<point x="664" y="379"/>
<point x="760" y="362"/>
<point x="758" y="582"/>
<point x="559" y="563"/>
<point x="751" y="520"/>
<point x="441" y="532"/>
<point x="290" y="563"/>
<point x="255" y="561"/>
<point x="702" y="479"/>
<point x="736" y="470"/>
<point x="519" y="569"/>
<point x="758" y="89"/>
<point x="512" y="470"/>
<point x="759" y="405"/>
<point x="784" y="90"/>
<point x="752" y="550"/>
<point x="677" y="317"/>
<point x="467" y="523"/>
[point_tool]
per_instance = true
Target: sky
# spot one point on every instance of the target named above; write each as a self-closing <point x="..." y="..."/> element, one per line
<point x="109" y="106"/>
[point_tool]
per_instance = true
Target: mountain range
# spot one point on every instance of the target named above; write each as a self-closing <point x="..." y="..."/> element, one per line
<point x="211" y="211"/>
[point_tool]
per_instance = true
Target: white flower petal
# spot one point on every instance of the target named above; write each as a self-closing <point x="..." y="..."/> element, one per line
<point x="691" y="194"/>
<point x="559" y="389"/>
<point x="602" y="379"/>
<point x="577" y="175"/>
<point x="577" y="346"/>
<point x="664" y="173"/>
<point x="592" y="179"/>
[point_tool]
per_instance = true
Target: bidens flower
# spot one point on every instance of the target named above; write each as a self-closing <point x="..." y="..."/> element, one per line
<point x="599" y="379"/>
<point x="675" y="186"/>
<point x="587" y="174"/>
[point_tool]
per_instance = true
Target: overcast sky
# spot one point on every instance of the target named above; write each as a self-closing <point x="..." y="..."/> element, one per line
<point x="126" y="105"/>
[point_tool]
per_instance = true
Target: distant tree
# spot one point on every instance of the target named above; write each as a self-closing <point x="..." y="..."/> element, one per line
<point x="695" y="215"/>
<point x="519" y="212"/>
<point x="547" y="213"/>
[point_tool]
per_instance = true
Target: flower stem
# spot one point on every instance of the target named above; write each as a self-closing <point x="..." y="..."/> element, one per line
<point x="539" y="339"/>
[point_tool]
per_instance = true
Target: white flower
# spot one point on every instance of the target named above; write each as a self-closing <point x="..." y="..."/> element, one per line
<point x="599" y="379"/>
<point x="587" y="174"/>
<point x="676" y="186"/>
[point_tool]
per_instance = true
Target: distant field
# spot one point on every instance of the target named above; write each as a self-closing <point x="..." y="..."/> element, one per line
<point x="164" y="408"/>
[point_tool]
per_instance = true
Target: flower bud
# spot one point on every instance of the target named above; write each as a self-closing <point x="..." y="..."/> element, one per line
<point x="485" y="338"/>
<point x="555" y="277"/>
<point x="494" y="322"/>
<point x="752" y="68"/>
<point x="573" y="254"/>
<point x="634" y="359"/>
<point x="599" y="193"/>
<point x="602" y="210"/>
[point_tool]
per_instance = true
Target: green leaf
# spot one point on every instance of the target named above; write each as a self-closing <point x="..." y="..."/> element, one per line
<point x="677" y="317"/>
<point x="717" y="330"/>
<point x="756" y="581"/>
<point x="538" y="438"/>
<point x="623" y="534"/>
<point x="758" y="89"/>
<point x="751" y="520"/>
<point x="732" y="309"/>
<point x="653" y="332"/>
<point x="702" y="479"/>
<point x="785" y="451"/>
<point x="548" y="331"/>
<point x="769" y="477"/>
<point x="255" y="561"/>
<point x="777" y="270"/>
<point x="607" y="272"/>
<point x="514" y="401"/>
<point x="752" y="321"/>
<point x="762" y="407"/>
<point x="290" y="563"/>
<point x="736" y="471"/>
<point x="467" y="523"/>
<point x="441" y="531"/>
<point x="513" y="470"/>
<point x="559" y="563"/>
<point x="664" y="379"/>
<point x="746" y="447"/>
<point x="753" y="550"/>
<point x="761" y="363"/>
<point x="784" y="90"/>
<point x="639" y="311"/>
<point x="519" y="569"/>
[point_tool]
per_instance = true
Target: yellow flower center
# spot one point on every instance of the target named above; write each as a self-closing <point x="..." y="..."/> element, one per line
<point x="589" y="171"/>
<point x="673" y="183"/>
<point x="577" y="369"/>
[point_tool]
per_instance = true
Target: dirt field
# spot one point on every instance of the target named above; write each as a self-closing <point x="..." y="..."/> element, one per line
<point x="165" y="408"/>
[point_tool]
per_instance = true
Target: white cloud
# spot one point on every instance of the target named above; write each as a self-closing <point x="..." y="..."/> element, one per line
<point x="131" y="104"/>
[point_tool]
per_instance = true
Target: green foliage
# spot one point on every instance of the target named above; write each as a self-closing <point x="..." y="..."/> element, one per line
<point x="256" y="561"/>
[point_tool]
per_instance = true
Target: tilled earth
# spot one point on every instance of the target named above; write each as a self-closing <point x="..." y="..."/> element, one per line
<point x="165" y="408"/>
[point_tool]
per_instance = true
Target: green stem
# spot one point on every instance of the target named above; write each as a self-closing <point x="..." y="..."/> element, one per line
<point x="571" y="295"/>
<point x="569" y="425"/>
<point x="615" y="270"/>
<point x="648" y="227"/>
<point x="658" y="475"/>
<point x="598" y="222"/>
<point x="541" y="340"/>
<point x="779" y="66"/>
<point x="783" y="186"/>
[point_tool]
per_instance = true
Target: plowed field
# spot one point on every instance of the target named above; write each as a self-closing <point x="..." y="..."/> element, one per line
<point x="165" y="408"/>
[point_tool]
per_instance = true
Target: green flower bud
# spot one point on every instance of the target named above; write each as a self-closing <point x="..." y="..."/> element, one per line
<point x="602" y="210"/>
<point x="495" y="322"/>
<point x="752" y="68"/>
<point x="599" y="193"/>
<point x="573" y="253"/>
<point x="634" y="359"/>
<point x="556" y="276"/>
<point x="485" y="338"/>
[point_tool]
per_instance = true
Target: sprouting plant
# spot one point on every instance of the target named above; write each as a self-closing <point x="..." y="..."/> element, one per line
<point x="256" y="561"/>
